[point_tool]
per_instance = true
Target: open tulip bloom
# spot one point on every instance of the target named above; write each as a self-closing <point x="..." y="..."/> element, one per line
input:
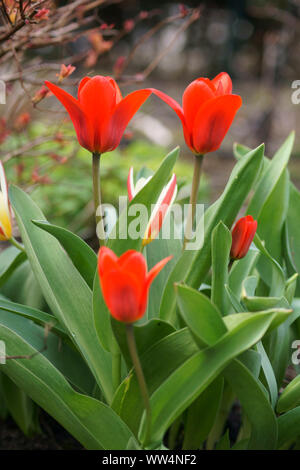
<point x="100" y="114"/>
<point x="5" y="210"/>
<point x="208" y="109"/>
<point x="163" y="204"/>
<point x="125" y="282"/>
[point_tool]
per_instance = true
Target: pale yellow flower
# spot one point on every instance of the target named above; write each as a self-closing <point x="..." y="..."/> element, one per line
<point x="5" y="211"/>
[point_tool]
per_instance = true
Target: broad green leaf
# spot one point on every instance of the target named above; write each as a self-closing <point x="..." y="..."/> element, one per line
<point x="10" y="259"/>
<point x="158" y="363"/>
<point x="289" y="427"/>
<point x="65" y="291"/>
<point x="57" y="349"/>
<point x="21" y="407"/>
<point x="200" y="315"/>
<point x="224" y="442"/>
<point x="234" y="301"/>
<point x="293" y="230"/>
<point x="277" y="279"/>
<point x="156" y="251"/>
<point x="34" y="314"/>
<point x="220" y="253"/>
<point x="290" y="287"/>
<point x="193" y="265"/>
<point x="270" y="178"/>
<point x="201" y="415"/>
<point x="82" y="256"/>
<point x="255" y="404"/>
<point x="146" y="335"/>
<point x="268" y="373"/>
<point x="183" y="386"/>
<point x="94" y="424"/>
<point x="240" y="270"/>
<point x="290" y="397"/>
<point x="22" y="287"/>
<point x="255" y="304"/>
<point x="280" y="316"/>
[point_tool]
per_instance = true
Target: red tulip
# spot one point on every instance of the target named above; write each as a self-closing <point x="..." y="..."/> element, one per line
<point x="242" y="235"/>
<point x="163" y="204"/>
<point x="100" y="114"/>
<point x="208" y="109"/>
<point x="125" y="282"/>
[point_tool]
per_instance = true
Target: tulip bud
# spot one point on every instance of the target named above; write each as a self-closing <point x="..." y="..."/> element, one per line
<point x="125" y="283"/>
<point x="5" y="211"/>
<point x="40" y="94"/>
<point x="164" y="202"/>
<point x="65" y="71"/>
<point x="42" y="14"/>
<point x="242" y="235"/>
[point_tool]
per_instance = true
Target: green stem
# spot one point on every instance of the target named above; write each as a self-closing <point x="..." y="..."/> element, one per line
<point x="141" y="379"/>
<point x="193" y="198"/>
<point x="18" y="245"/>
<point x="97" y="198"/>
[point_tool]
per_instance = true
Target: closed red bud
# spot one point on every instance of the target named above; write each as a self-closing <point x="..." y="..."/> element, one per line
<point x="125" y="282"/>
<point x="242" y="236"/>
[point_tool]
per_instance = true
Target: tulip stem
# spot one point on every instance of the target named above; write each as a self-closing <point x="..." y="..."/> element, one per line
<point x="193" y="198"/>
<point x="141" y="379"/>
<point x="18" y="245"/>
<point x="97" y="199"/>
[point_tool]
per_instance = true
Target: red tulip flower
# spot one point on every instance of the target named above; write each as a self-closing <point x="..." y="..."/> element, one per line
<point x="242" y="235"/>
<point x="125" y="282"/>
<point x="162" y="206"/>
<point x="208" y="109"/>
<point x="100" y="114"/>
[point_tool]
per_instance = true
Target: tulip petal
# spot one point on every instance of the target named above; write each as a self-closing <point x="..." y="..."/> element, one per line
<point x="213" y="121"/>
<point x="107" y="260"/>
<point x="97" y="98"/>
<point x="81" y="84"/>
<point x="5" y="220"/>
<point x="133" y="262"/>
<point x="122" y="114"/>
<point x="222" y="84"/>
<point x="156" y="269"/>
<point x="130" y="184"/>
<point x="3" y="186"/>
<point x="194" y="97"/>
<point x="150" y="278"/>
<point x="242" y="236"/>
<point x="118" y="91"/>
<point x="122" y="296"/>
<point x="179" y="111"/>
<point x="163" y="204"/>
<point x="80" y="121"/>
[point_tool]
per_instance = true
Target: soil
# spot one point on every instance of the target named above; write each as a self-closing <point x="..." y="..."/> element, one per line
<point x="52" y="436"/>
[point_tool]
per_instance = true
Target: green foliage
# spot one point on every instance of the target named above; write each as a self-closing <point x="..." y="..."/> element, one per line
<point x="214" y="331"/>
